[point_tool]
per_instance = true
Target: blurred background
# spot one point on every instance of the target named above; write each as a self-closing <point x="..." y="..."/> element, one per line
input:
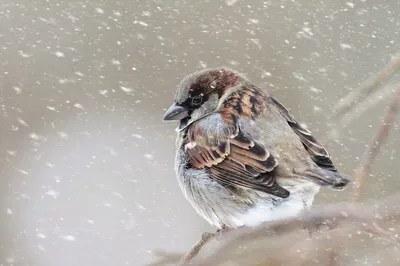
<point x="86" y="163"/>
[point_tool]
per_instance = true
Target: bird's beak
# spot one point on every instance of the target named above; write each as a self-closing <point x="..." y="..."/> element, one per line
<point x="176" y="112"/>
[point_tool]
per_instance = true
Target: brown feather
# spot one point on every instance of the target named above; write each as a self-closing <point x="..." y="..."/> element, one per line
<point x="316" y="151"/>
<point x="239" y="161"/>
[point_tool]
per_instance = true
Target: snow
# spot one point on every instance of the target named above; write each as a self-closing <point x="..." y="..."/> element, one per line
<point x="12" y="152"/>
<point x="138" y="136"/>
<point x="23" y="171"/>
<point x="17" y="90"/>
<point x="69" y="238"/>
<point x="141" y="207"/>
<point x="231" y="2"/>
<point x="35" y="136"/>
<point x="99" y="10"/>
<point x="126" y="90"/>
<point x="103" y="92"/>
<point x="41" y="236"/>
<point x="51" y="108"/>
<point x="115" y="62"/>
<point x="59" y="54"/>
<point x="345" y="46"/>
<point x="24" y="55"/>
<point x="22" y="122"/>
<point x="79" y="74"/>
<point x="78" y="105"/>
<point x="149" y="156"/>
<point x="52" y="193"/>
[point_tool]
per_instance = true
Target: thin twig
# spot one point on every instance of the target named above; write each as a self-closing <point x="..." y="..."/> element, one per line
<point x="373" y="100"/>
<point x="374" y="148"/>
<point x="358" y="95"/>
<point x="205" y="238"/>
<point x="355" y="103"/>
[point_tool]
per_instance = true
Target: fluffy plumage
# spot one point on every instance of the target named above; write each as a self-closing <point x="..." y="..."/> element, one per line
<point x="242" y="158"/>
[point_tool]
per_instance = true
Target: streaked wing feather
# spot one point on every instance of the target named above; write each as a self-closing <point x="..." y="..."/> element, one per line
<point x="316" y="151"/>
<point x="239" y="161"/>
<point x="230" y="173"/>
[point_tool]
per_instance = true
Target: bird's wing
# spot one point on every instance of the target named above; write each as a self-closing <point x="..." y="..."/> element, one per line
<point x="236" y="160"/>
<point x="316" y="151"/>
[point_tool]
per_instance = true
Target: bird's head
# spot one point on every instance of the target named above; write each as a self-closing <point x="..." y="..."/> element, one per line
<point x="203" y="93"/>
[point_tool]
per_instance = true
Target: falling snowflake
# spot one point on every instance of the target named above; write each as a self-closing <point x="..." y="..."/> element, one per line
<point x="69" y="238"/>
<point x="345" y="46"/>
<point x="17" y="90"/>
<point x="52" y="193"/>
<point x="126" y="90"/>
<point x="99" y="10"/>
<point x="78" y="105"/>
<point x="149" y="156"/>
<point x="59" y="54"/>
<point x="63" y="135"/>
<point x="41" y="235"/>
<point x="231" y="2"/>
<point x="137" y="136"/>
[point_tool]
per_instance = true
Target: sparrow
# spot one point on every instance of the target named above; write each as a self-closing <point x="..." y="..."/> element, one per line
<point x="242" y="158"/>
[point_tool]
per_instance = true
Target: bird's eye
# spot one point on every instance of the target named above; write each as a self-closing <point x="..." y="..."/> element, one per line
<point x="196" y="100"/>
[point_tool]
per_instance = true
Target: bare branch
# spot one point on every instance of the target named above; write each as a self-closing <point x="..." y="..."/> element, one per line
<point x="360" y="94"/>
<point x="376" y="144"/>
<point x="342" y="234"/>
<point x="363" y="98"/>
<point x="205" y="238"/>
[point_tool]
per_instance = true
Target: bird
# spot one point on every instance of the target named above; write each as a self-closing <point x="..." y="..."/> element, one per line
<point x="242" y="158"/>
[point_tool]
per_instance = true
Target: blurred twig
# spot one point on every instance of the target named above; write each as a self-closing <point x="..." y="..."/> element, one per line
<point x="360" y="94"/>
<point x="362" y="98"/>
<point x="205" y="238"/>
<point x="374" y="147"/>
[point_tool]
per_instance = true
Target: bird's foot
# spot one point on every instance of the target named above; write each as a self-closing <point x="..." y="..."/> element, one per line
<point x="223" y="229"/>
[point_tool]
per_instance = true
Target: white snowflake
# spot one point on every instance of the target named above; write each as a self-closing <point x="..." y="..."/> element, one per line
<point x="63" y="135"/>
<point x="41" y="235"/>
<point x="99" y="10"/>
<point x="149" y="156"/>
<point x="52" y="193"/>
<point x="231" y="2"/>
<point x="22" y="122"/>
<point x="103" y="92"/>
<point x="137" y="136"/>
<point x="12" y="152"/>
<point x="345" y="46"/>
<point x="78" y="105"/>
<point x="24" y="55"/>
<point x="17" y="90"/>
<point x="126" y="90"/>
<point x="115" y="62"/>
<point x="69" y="238"/>
<point x="23" y="171"/>
<point x="59" y="54"/>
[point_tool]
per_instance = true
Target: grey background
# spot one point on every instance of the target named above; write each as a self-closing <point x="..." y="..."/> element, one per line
<point x="86" y="162"/>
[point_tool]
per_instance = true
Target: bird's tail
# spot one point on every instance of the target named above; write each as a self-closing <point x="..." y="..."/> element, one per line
<point x="325" y="177"/>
